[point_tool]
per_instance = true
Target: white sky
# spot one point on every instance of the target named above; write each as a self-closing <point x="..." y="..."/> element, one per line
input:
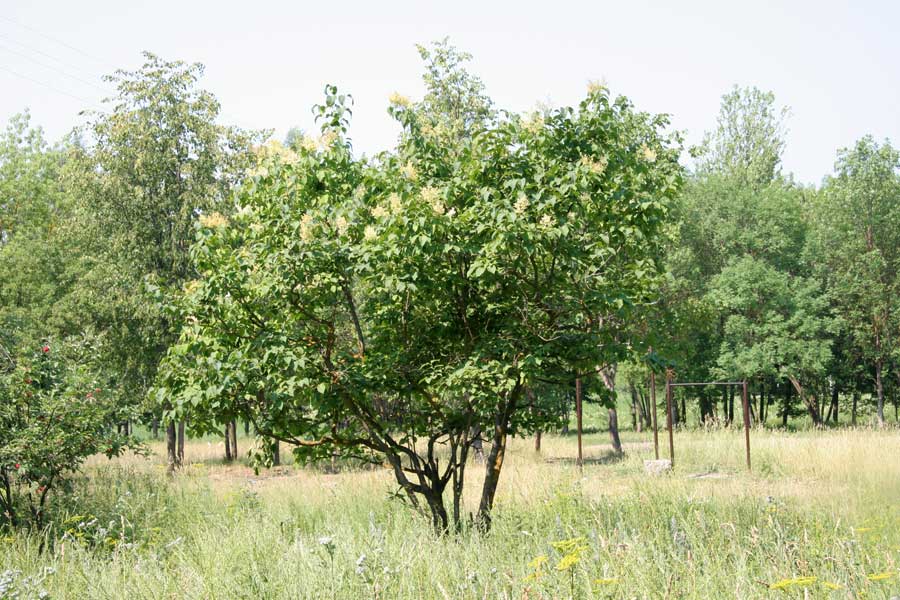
<point x="835" y="64"/>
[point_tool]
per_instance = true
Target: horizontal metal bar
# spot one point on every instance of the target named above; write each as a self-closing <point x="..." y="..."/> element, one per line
<point x="707" y="383"/>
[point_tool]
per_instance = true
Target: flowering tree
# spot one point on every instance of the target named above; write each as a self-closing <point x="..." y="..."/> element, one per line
<point x="384" y="309"/>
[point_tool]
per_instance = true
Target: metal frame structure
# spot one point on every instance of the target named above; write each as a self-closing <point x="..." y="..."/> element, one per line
<point x="670" y="383"/>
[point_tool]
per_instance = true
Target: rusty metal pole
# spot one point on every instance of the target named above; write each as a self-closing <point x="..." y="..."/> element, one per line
<point x="669" y="417"/>
<point x="580" y="461"/>
<point x="746" y="421"/>
<point x="653" y="402"/>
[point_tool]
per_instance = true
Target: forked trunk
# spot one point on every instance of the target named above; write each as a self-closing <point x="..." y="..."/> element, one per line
<point x="809" y="400"/>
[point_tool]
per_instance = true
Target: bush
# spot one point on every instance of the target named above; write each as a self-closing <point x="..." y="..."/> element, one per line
<point x="53" y="415"/>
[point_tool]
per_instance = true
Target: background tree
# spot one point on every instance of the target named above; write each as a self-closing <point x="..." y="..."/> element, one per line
<point x="154" y="162"/>
<point x="860" y="245"/>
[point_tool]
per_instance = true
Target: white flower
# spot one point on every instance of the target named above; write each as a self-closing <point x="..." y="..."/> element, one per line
<point x="521" y="204"/>
<point x="648" y="153"/>
<point x="342" y="225"/>
<point x="327" y="139"/>
<point x="213" y="220"/>
<point x="409" y="171"/>
<point x="597" y="167"/>
<point x="546" y="221"/>
<point x="370" y="233"/>
<point x="395" y="202"/>
<point x="326" y="540"/>
<point x="451" y="212"/>
<point x="257" y="171"/>
<point x="533" y="122"/>
<point x="309" y="144"/>
<point x="398" y="99"/>
<point x="432" y="196"/>
<point x="379" y="212"/>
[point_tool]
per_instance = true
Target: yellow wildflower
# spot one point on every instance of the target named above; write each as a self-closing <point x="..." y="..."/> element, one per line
<point x="832" y="586"/>
<point x="538" y="562"/>
<point x="794" y="582"/>
<point x="881" y="576"/>
<point x="606" y="581"/>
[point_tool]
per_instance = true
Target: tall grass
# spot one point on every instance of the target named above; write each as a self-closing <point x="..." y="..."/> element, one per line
<point x="819" y="517"/>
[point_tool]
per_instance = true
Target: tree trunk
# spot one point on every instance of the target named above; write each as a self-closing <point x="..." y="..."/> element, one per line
<point x="495" y="458"/>
<point x="810" y="400"/>
<point x="879" y="389"/>
<point x="234" y="446"/>
<point x="477" y="444"/>
<point x="853" y="409"/>
<point x="276" y="453"/>
<point x="537" y="442"/>
<point x="180" y="443"/>
<point x="608" y="375"/>
<point x="228" y="456"/>
<point x="154" y="427"/>
<point x="171" y="448"/>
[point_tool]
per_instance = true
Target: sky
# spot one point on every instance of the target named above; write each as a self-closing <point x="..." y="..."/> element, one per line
<point x="834" y="64"/>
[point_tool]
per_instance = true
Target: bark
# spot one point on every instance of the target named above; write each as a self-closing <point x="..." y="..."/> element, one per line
<point x="276" y="453"/>
<point x="495" y="457"/>
<point x="879" y="389"/>
<point x="154" y="427"/>
<point x="608" y="375"/>
<point x="171" y="448"/>
<point x="537" y="442"/>
<point x="853" y="409"/>
<point x="180" y="443"/>
<point x="234" y="446"/>
<point x="228" y="456"/>
<point x="477" y="444"/>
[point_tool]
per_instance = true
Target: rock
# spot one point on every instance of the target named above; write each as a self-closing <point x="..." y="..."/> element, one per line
<point x="658" y="467"/>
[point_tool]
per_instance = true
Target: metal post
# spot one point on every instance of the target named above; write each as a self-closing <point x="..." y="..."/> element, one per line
<point x="578" y="418"/>
<point x="669" y="417"/>
<point x="653" y="402"/>
<point x="746" y="421"/>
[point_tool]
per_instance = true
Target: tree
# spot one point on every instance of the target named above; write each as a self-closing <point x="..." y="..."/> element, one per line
<point x="748" y="140"/>
<point x="34" y="262"/>
<point x="860" y="244"/>
<point x="155" y="161"/>
<point x="382" y="310"/>
<point x="775" y="325"/>
<point x="55" y="411"/>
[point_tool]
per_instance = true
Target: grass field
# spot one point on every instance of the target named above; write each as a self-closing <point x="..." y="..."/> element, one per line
<point x="819" y="517"/>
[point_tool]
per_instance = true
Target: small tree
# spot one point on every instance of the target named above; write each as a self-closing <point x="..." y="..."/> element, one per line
<point x="55" y="412"/>
<point x="386" y="310"/>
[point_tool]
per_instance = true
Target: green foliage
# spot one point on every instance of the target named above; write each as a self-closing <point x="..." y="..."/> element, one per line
<point x="521" y="252"/>
<point x="55" y="411"/>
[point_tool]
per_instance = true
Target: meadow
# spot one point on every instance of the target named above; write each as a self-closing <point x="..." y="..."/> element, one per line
<point x="817" y="518"/>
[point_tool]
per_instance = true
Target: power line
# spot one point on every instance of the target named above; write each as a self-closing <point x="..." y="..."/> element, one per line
<point x="57" y="69"/>
<point x="57" y="41"/>
<point x="42" y="53"/>
<point x="51" y="87"/>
